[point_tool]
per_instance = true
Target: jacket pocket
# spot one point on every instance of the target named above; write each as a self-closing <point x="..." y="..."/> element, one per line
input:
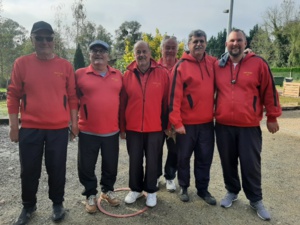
<point x="254" y="103"/>
<point x="190" y="100"/>
<point x="85" y="111"/>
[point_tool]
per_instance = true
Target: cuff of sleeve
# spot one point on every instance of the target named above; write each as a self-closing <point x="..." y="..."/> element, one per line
<point x="271" y="119"/>
<point x="178" y="125"/>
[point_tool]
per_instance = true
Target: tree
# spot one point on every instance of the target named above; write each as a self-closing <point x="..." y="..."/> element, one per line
<point x="262" y="45"/>
<point x="78" y="58"/>
<point x="128" y="31"/>
<point x="276" y="22"/>
<point x="12" y="37"/>
<point x="154" y="44"/>
<point x="216" y="45"/>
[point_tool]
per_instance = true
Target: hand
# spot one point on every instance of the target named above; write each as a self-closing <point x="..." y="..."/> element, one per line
<point x="273" y="127"/>
<point x="74" y="131"/>
<point x="14" y="134"/>
<point x="247" y="50"/>
<point x="180" y="130"/>
<point x="123" y="135"/>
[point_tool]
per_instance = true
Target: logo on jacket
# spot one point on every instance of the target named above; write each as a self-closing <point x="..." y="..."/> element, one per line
<point x="248" y="73"/>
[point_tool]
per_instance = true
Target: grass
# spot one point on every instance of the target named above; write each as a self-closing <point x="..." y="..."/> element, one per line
<point x="3" y="109"/>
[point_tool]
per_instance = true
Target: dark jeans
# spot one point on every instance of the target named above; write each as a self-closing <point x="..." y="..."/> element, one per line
<point x="243" y="144"/>
<point x="138" y="146"/>
<point x="33" y="143"/>
<point x="199" y="139"/>
<point x="88" y="151"/>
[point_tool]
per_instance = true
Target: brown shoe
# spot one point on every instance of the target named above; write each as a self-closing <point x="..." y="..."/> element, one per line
<point x="110" y="197"/>
<point x="90" y="204"/>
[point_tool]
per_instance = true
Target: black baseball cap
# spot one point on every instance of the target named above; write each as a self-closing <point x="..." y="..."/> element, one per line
<point x="41" y="25"/>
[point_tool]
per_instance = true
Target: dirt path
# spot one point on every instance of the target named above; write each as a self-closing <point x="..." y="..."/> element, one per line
<point x="281" y="182"/>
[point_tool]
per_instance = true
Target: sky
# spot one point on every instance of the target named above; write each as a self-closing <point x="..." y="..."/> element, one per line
<point x="172" y="17"/>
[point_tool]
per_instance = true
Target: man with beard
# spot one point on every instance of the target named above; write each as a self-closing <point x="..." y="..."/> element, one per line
<point x="143" y="117"/>
<point x="99" y="87"/>
<point x="244" y="86"/>
<point x="191" y="114"/>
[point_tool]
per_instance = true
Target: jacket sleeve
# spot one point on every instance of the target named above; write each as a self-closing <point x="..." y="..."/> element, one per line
<point x="165" y="111"/>
<point x="123" y="104"/>
<point x="269" y="94"/>
<point x="71" y="90"/>
<point x="175" y="98"/>
<point x="14" y="90"/>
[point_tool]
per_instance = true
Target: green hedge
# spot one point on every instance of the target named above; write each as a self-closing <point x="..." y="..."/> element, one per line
<point x="285" y="69"/>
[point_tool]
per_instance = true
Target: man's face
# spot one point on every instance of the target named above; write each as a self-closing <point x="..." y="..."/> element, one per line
<point x="170" y="49"/>
<point x="99" y="56"/>
<point x="197" y="46"/>
<point x="142" y="55"/>
<point x="43" y="42"/>
<point x="236" y="43"/>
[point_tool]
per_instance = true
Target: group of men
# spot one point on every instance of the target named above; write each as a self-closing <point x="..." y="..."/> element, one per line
<point x="145" y="106"/>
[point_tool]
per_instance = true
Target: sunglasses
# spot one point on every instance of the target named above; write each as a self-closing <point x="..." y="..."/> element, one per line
<point x="41" y="39"/>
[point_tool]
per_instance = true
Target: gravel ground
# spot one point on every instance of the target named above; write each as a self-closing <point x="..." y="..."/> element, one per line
<point x="280" y="173"/>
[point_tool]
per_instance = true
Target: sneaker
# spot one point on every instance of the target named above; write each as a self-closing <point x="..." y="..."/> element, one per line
<point x="25" y="216"/>
<point x="111" y="198"/>
<point x="151" y="199"/>
<point x="171" y="186"/>
<point x="90" y="204"/>
<point x="260" y="210"/>
<point x="207" y="197"/>
<point x="132" y="196"/>
<point x="184" y="196"/>
<point x="230" y="197"/>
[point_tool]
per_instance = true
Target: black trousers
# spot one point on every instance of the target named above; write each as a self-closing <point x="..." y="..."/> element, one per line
<point x="33" y="143"/>
<point x="88" y="151"/>
<point x="199" y="139"/>
<point x="243" y="144"/>
<point x="138" y="146"/>
<point x="170" y="168"/>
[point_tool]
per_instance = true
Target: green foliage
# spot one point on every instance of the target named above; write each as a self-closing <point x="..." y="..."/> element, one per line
<point x="216" y="45"/>
<point x="78" y="58"/>
<point x="128" y="31"/>
<point x="12" y="37"/>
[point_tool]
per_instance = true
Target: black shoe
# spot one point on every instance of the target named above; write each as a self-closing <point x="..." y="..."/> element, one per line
<point x="207" y="197"/>
<point x="25" y="216"/>
<point x="184" y="196"/>
<point x="58" y="212"/>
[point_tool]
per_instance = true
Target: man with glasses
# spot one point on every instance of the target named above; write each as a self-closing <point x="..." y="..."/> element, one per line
<point x="98" y="88"/>
<point x="42" y="87"/>
<point x="169" y="49"/>
<point x="191" y="114"/>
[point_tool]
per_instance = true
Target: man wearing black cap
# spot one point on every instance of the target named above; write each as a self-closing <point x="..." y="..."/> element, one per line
<point x="43" y="89"/>
<point x="99" y="87"/>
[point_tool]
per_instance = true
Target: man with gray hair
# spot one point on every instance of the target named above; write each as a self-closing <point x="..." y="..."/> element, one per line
<point x="169" y="49"/>
<point x="191" y="113"/>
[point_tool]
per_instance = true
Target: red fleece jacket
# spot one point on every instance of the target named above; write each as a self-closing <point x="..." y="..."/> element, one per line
<point x="192" y="91"/>
<point x="240" y="103"/>
<point x="144" y="110"/>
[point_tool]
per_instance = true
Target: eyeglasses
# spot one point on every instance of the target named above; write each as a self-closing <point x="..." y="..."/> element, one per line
<point x="100" y="51"/>
<point x="41" y="39"/>
<point x="198" y="41"/>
